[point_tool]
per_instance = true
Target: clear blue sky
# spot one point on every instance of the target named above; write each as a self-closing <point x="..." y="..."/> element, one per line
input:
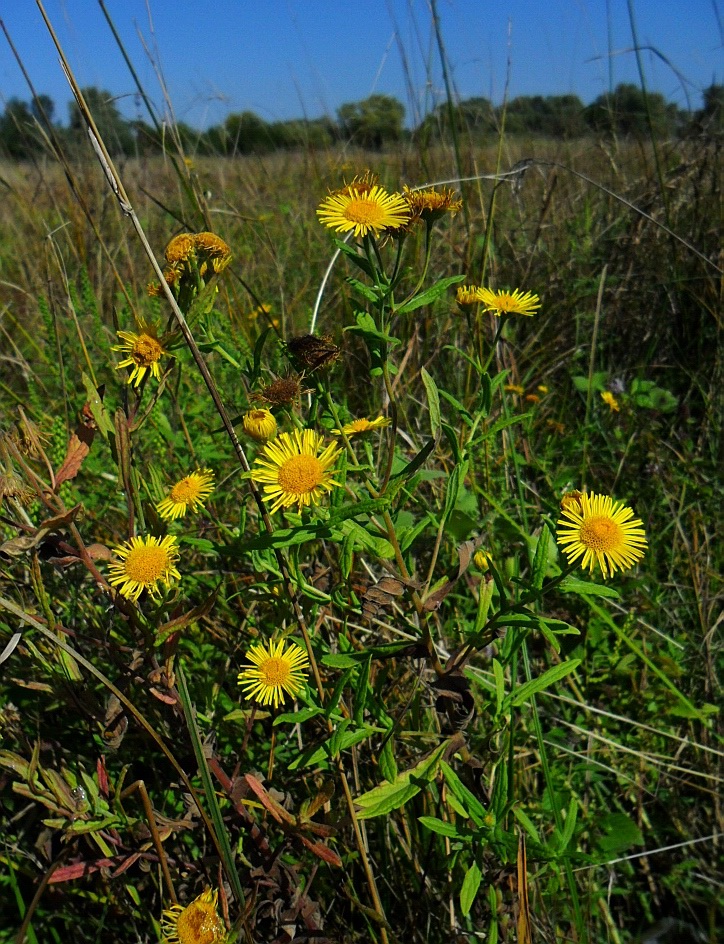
<point x="286" y="58"/>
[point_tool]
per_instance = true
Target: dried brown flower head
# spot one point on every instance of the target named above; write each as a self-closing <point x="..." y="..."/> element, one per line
<point x="312" y="352"/>
<point x="12" y="486"/>
<point x="280" y="392"/>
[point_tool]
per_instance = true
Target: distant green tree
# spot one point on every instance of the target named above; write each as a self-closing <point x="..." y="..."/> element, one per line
<point x="16" y="127"/>
<point x="710" y="119"/>
<point x="374" y="122"/>
<point x="112" y="126"/>
<point x="41" y="106"/>
<point x="474" y="117"/>
<point x="244" y="133"/>
<point x="624" y="112"/>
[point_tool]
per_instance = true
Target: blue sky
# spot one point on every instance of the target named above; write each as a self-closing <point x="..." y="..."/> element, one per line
<point x="286" y="58"/>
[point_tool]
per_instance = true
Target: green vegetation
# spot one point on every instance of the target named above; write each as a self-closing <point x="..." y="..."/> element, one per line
<point x="488" y="742"/>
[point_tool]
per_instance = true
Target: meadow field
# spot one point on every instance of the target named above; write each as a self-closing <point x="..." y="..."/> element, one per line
<point x="360" y="583"/>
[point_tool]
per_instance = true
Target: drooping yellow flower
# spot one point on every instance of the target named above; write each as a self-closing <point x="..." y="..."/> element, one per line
<point x="259" y="424"/>
<point x="602" y="532"/>
<point x="293" y="471"/>
<point x="611" y="401"/>
<point x="363" y="425"/>
<point x="430" y="204"/>
<point x="482" y="559"/>
<point x="144" y="352"/>
<point x="468" y="295"/>
<point x="515" y="302"/>
<point x="143" y="563"/>
<point x="274" y="671"/>
<point x="362" y="211"/>
<point x="213" y="253"/>
<point x="180" y="249"/>
<point x="188" y="494"/>
<point x="197" y="923"/>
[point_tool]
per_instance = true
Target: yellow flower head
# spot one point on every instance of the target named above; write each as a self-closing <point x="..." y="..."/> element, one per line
<point x="213" y="253"/>
<point x="144" y="352"/>
<point x="361" y="211"/>
<point x="188" y="494"/>
<point x="514" y="303"/>
<point x="602" y="532"/>
<point x="142" y="564"/>
<point x="468" y="295"/>
<point x="363" y="426"/>
<point x="361" y="183"/>
<point x="274" y="671"/>
<point x="611" y="401"/>
<point x="171" y="274"/>
<point x="429" y="205"/>
<point x="571" y="500"/>
<point x="293" y="471"/>
<point x="514" y="388"/>
<point x="180" y="249"/>
<point x="197" y="923"/>
<point x="482" y="559"/>
<point x="260" y="425"/>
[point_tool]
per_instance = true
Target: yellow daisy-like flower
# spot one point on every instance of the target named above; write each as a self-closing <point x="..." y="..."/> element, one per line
<point x="601" y="531"/>
<point x="363" y="426"/>
<point x="362" y="211"/>
<point x="273" y="672"/>
<point x="144" y="352"/>
<point x="188" y="494"/>
<point x="212" y="250"/>
<point x="293" y="471"/>
<point x="468" y="295"/>
<point x="429" y="205"/>
<point x="259" y="424"/>
<point x="197" y="923"/>
<point x="180" y="249"/>
<point x="611" y="401"/>
<point x="514" y="303"/>
<point x="143" y="563"/>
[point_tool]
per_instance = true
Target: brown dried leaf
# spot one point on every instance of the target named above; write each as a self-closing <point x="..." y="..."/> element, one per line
<point x="465" y="555"/>
<point x="78" y="449"/>
<point x="18" y="546"/>
<point x="381" y="596"/>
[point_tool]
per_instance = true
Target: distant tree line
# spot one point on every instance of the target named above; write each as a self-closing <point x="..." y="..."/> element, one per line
<point x="374" y="123"/>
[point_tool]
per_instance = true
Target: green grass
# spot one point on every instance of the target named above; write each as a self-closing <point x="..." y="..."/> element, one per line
<point x="614" y="755"/>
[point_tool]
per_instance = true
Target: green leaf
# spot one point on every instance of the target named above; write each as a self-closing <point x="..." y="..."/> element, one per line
<point x="471" y="884"/>
<point x="585" y="588"/>
<point x="455" y="482"/>
<point x="388" y="764"/>
<point x="553" y="675"/>
<point x="526" y="823"/>
<point x="313" y="755"/>
<point x="471" y="804"/>
<point x="433" y="402"/>
<point x="620" y="833"/>
<point x="297" y="717"/>
<point x="540" y="561"/>
<point x="570" y="825"/>
<point x="393" y="795"/>
<point x="499" y="685"/>
<point x="354" y="256"/>
<point x="364" y="290"/>
<point x="424" y="298"/>
<point x="99" y="412"/>
<point x="439" y="826"/>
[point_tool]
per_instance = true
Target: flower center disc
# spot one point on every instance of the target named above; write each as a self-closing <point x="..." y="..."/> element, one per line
<point x="198" y="924"/>
<point x="146" y="564"/>
<point x="146" y="351"/>
<point x="300" y="474"/>
<point x="184" y="491"/>
<point x="363" y="211"/>
<point x="600" y="534"/>
<point x="275" y="671"/>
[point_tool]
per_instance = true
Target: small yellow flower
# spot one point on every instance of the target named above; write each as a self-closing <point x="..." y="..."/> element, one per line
<point x="188" y="494"/>
<point x="213" y="253"/>
<point x="514" y="388"/>
<point x="363" y="426"/>
<point x="429" y="205"/>
<point x="293" y="471"/>
<point x="171" y="274"/>
<point x="602" y="532"/>
<point x="571" y="500"/>
<point x="468" y="295"/>
<point x="144" y="352"/>
<point x="542" y="389"/>
<point x="259" y="424"/>
<point x="180" y="249"/>
<point x="611" y="401"/>
<point x="361" y="211"/>
<point x="197" y="923"/>
<point x="143" y="563"/>
<point x="482" y="559"/>
<point x="274" y="671"/>
<point x="515" y="303"/>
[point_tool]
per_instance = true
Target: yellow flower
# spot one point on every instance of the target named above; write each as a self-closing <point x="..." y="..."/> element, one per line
<point x="213" y="252"/>
<point x="188" y="494"/>
<point x="571" y="500"/>
<point x="515" y="388"/>
<point x="609" y="399"/>
<point x="601" y="531"/>
<point x="197" y="923"/>
<point x="259" y="424"/>
<point x="363" y="426"/>
<point x="429" y="205"/>
<point x="180" y="249"/>
<point x="142" y="564"/>
<point x="362" y="211"/>
<point x="482" y="559"/>
<point x="293" y="471"/>
<point x="273" y="672"/>
<point x="171" y="274"/>
<point x="542" y="388"/>
<point x="515" y="303"/>
<point x="144" y="352"/>
<point x="468" y="295"/>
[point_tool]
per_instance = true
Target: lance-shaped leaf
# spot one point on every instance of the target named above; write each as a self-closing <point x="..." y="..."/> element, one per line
<point x="392" y="796"/>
